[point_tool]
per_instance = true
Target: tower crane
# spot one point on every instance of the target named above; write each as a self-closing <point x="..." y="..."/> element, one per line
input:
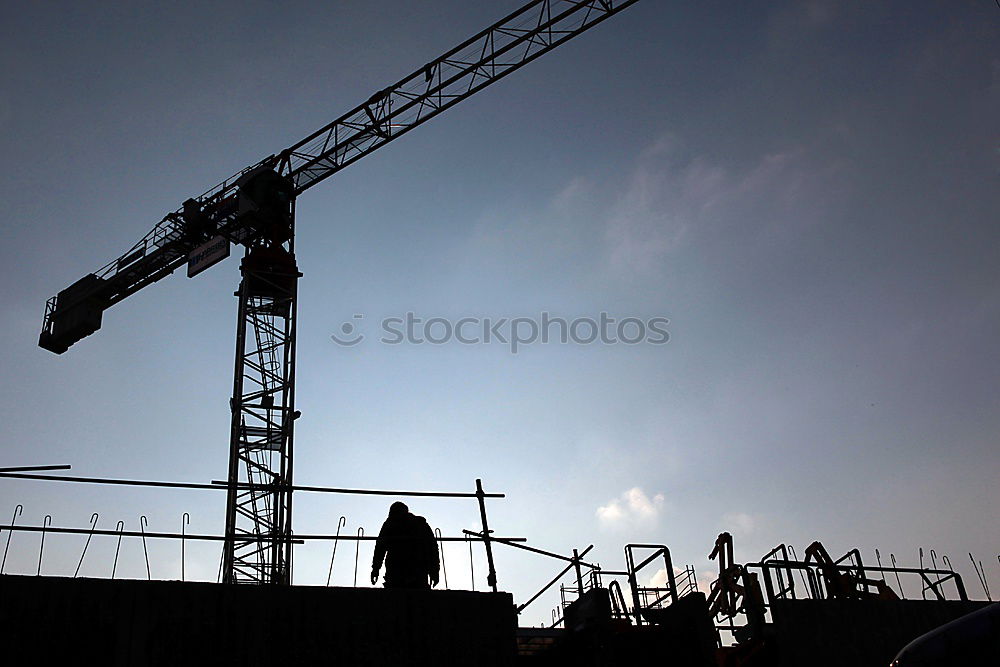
<point x="255" y="209"/>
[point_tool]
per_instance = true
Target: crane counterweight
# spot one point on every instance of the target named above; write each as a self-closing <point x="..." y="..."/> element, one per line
<point x="76" y="312"/>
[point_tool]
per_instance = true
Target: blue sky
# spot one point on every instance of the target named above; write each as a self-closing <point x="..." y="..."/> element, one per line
<point x="807" y="191"/>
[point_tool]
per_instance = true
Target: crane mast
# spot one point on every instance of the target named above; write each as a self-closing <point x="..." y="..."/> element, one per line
<point x="255" y="208"/>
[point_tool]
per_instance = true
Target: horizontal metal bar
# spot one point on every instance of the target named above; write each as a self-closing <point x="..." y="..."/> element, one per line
<point x="133" y="533"/>
<point x="27" y="468"/>
<point x="556" y="578"/>
<point x="373" y="492"/>
<point x="567" y="559"/>
<point x="240" y="537"/>
<point x="370" y="538"/>
<point x="772" y="564"/>
<point x="101" y="480"/>
<point x="217" y="484"/>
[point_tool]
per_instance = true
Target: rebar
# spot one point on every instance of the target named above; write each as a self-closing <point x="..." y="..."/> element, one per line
<point x="94" y="518"/>
<point x="923" y="589"/>
<point x="120" y="527"/>
<point x="340" y="523"/>
<point x="357" y="550"/>
<point x="185" y="520"/>
<point x="892" y="557"/>
<point x="143" y="523"/>
<point x="472" y="566"/>
<point x="18" y="510"/>
<point x="444" y="570"/>
<point x="46" y="522"/>
<point x="981" y="573"/>
<point x="802" y="575"/>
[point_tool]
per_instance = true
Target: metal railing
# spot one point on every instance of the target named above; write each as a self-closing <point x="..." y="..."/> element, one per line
<point x="33" y="473"/>
<point x="863" y="577"/>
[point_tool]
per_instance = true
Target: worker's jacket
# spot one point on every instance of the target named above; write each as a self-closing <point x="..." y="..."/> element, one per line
<point x="407" y="544"/>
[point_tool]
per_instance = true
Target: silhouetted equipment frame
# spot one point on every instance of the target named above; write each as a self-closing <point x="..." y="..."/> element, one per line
<point x="255" y="208"/>
<point x="819" y="590"/>
<point x="743" y="596"/>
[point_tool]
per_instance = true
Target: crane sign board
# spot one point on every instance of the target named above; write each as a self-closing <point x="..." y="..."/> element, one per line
<point x="207" y="255"/>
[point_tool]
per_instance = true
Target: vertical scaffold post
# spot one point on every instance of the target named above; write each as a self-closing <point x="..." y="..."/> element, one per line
<point x="491" y="578"/>
<point x="579" y="573"/>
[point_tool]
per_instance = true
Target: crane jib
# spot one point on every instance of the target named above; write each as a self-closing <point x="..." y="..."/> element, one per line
<point x="510" y="43"/>
<point x="256" y="208"/>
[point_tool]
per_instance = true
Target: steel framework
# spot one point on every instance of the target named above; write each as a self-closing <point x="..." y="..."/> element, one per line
<point x="259" y="498"/>
<point x="260" y="464"/>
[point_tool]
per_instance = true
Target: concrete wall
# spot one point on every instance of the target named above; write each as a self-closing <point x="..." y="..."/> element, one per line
<point x="53" y="620"/>
<point x="854" y="632"/>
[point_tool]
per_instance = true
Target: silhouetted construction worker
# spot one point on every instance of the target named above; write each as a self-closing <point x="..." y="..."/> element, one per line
<point x="412" y="551"/>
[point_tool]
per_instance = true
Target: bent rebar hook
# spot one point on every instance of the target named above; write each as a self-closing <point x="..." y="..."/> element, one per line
<point x="802" y="576"/>
<point x="981" y="573"/>
<point x="143" y="524"/>
<point x="185" y="520"/>
<point x="923" y="589"/>
<point x="17" y="512"/>
<point x="357" y="550"/>
<point x="120" y="528"/>
<point x="444" y="570"/>
<point x="93" y="526"/>
<point x="472" y="566"/>
<point x="46" y="522"/>
<point x="878" y="557"/>
<point x="340" y="523"/>
<point x="892" y="557"/>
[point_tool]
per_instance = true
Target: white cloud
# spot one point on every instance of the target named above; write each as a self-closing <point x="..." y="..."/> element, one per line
<point x="650" y="219"/>
<point x="672" y="198"/>
<point x="632" y="506"/>
<point x="739" y="523"/>
<point x="703" y="580"/>
<point x="659" y="578"/>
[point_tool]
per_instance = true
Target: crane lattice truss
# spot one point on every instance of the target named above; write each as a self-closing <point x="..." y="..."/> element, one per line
<point x="259" y="499"/>
<point x="255" y="208"/>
